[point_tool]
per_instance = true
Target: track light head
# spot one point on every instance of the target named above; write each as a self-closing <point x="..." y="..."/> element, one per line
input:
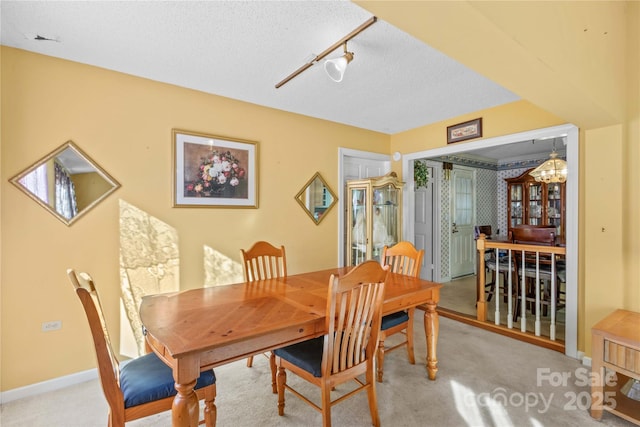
<point x="335" y="68"/>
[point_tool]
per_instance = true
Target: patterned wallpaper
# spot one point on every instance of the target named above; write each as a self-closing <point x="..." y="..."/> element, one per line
<point x="445" y="212"/>
<point x="486" y="198"/>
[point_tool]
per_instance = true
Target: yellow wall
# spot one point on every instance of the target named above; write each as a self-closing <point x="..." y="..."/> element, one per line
<point x="124" y="123"/>
<point x="502" y="120"/>
<point x="579" y="62"/>
<point x="603" y="225"/>
<point x="631" y="169"/>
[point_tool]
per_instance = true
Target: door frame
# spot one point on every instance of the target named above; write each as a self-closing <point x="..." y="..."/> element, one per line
<point x="572" y="218"/>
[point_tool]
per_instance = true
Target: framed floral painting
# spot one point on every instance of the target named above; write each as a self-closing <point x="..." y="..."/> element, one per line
<point x="214" y="171"/>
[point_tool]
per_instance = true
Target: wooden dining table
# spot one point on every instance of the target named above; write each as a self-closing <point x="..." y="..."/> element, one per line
<point x="199" y="329"/>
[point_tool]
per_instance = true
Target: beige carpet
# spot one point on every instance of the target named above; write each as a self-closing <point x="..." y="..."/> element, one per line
<point x="476" y="369"/>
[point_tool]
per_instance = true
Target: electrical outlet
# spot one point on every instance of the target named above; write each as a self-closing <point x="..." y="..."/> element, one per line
<point x="51" y="326"/>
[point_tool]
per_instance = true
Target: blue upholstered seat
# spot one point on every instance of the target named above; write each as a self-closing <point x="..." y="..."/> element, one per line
<point x="306" y="354"/>
<point x="147" y="379"/>
<point x="391" y="320"/>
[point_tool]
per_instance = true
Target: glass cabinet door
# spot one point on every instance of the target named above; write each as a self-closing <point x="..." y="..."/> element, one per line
<point x="359" y="225"/>
<point x="554" y="207"/>
<point x="385" y="219"/>
<point x="535" y="204"/>
<point x="516" y="203"/>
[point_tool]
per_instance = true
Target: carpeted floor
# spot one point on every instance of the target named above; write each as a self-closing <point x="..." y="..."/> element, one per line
<point x="484" y="379"/>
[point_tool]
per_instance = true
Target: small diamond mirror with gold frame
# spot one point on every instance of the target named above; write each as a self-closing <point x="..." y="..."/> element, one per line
<point x="316" y="198"/>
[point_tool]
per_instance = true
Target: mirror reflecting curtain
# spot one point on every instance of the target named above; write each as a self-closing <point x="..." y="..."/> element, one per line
<point x="66" y="182"/>
<point x="316" y="198"/>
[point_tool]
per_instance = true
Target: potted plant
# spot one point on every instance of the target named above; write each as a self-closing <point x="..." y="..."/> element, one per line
<point x="420" y="173"/>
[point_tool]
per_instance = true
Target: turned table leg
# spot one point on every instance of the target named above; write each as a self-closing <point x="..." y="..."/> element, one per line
<point x="185" y="406"/>
<point x="431" y="327"/>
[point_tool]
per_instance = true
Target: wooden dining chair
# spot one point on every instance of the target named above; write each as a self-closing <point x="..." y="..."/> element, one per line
<point x="261" y="262"/>
<point x="139" y="387"/>
<point x="347" y="350"/>
<point x="539" y="236"/>
<point x="490" y="264"/>
<point x="402" y="258"/>
<point x="264" y="261"/>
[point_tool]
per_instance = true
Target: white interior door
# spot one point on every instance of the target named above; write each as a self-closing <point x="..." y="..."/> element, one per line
<point x="423" y="231"/>
<point x="462" y="252"/>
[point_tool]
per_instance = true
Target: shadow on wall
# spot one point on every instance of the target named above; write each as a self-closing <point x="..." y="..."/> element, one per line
<point x="150" y="264"/>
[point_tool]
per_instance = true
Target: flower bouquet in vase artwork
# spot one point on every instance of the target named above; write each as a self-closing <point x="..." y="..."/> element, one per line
<point x="219" y="174"/>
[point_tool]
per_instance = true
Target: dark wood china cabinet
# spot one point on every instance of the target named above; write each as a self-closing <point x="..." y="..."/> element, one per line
<point x="535" y="203"/>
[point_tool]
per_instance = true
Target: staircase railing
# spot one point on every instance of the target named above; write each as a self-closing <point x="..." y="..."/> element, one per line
<point x="533" y="276"/>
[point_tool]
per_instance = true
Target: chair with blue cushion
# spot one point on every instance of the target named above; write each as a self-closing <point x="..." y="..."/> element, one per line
<point x="347" y="351"/>
<point x="402" y="258"/>
<point x="139" y="387"/>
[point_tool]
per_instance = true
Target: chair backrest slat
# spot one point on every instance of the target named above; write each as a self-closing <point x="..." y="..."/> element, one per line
<point x="354" y="310"/>
<point x="403" y="258"/>
<point x="264" y="261"/>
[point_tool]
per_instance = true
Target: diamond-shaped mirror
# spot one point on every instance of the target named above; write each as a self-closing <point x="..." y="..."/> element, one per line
<point x="316" y="198"/>
<point x="66" y="182"/>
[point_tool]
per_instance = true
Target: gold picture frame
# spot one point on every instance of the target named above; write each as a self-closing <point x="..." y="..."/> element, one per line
<point x="214" y="171"/>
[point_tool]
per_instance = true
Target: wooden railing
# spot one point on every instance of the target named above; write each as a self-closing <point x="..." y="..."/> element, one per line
<point x="532" y="273"/>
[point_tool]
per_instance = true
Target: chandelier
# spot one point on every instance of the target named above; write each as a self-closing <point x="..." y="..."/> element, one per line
<point x="553" y="170"/>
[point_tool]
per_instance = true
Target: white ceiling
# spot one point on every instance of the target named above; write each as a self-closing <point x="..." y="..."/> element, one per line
<point x="241" y="49"/>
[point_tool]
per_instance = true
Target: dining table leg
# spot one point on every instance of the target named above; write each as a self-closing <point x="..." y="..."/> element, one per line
<point x="431" y="326"/>
<point x="185" y="410"/>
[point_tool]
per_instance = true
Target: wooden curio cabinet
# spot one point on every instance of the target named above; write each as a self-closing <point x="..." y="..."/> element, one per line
<point x="535" y="203"/>
<point x="374" y="217"/>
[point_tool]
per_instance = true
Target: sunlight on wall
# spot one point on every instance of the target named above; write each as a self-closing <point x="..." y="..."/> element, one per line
<point x="149" y="264"/>
<point x="219" y="269"/>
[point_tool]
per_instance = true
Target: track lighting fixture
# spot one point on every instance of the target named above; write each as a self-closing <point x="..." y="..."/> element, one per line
<point x="334" y="67"/>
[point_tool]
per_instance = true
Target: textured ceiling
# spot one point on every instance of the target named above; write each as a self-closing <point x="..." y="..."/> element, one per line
<point x="241" y="49"/>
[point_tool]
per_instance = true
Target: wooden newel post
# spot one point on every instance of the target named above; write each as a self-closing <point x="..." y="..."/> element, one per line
<point x="481" y="304"/>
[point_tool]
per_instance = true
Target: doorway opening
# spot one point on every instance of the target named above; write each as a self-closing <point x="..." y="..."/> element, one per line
<point x="570" y="134"/>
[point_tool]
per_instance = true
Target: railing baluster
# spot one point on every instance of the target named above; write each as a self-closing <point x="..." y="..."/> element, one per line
<point x="523" y="303"/>
<point x="537" y="288"/>
<point x="509" y="293"/>
<point x="496" y="291"/>
<point x="552" y="326"/>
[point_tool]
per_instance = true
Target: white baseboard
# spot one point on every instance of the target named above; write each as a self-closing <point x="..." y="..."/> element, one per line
<point x="49" y="385"/>
<point x="586" y="360"/>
